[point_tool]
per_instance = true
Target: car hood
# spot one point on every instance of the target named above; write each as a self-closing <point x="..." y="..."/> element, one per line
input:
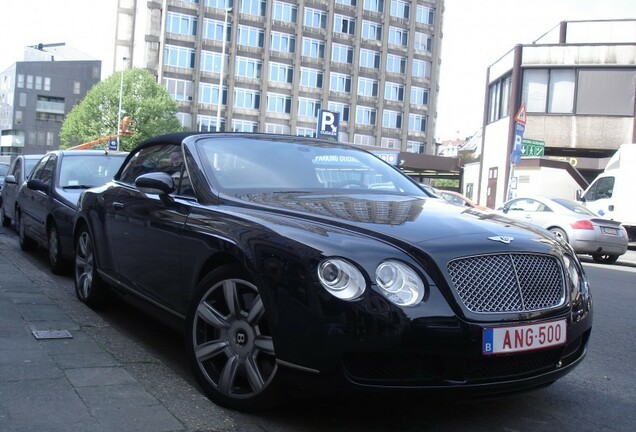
<point x="427" y="223"/>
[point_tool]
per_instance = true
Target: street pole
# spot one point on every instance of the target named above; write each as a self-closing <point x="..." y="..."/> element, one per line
<point x="121" y="91"/>
<point x="218" y="106"/>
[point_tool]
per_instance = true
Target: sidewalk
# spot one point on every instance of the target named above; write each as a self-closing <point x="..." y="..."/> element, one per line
<point x="80" y="383"/>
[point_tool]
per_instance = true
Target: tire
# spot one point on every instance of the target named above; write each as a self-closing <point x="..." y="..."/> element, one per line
<point x="229" y="342"/>
<point x="6" y="222"/>
<point x="26" y="242"/>
<point x="559" y="233"/>
<point x="56" y="262"/>
<point x="89" y="287"/>
<point x="605" y="258"/>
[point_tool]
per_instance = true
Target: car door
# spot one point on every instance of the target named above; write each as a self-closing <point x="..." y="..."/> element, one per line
<point x="34" y="204"/>
<point x="598" y="197"/>
<point x="145" y="229"/>
<point x="10" y="188"/>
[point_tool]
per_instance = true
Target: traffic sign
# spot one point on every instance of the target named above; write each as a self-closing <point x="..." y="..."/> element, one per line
<point x="532" y="148"/>
<point x="521" y="114"/>
<point x="327" y="127"/>
<point x="112" y="144"/>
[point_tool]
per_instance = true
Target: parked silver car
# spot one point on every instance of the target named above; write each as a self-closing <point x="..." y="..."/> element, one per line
<point x="17" y="174"/>
<point x="588" y="234"/>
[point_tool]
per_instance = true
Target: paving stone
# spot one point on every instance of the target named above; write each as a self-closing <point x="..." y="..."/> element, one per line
<point x="153" y="418"/>
<point x="28" y="298"/>
<point x="116" y="396"/>
<point x="29" y="370"/>
<point x="99" y="376"/>
<point x="81" y="343"/>
<point x="39" y="312"/>
<point x="84" y="360"/>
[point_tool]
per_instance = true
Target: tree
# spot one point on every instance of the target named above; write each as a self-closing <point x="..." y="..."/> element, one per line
<point x="148" y="105"/>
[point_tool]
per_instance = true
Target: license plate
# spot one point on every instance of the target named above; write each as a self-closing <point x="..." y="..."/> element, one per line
<point x="607" y="230"/>
<point x="501" y="340"/>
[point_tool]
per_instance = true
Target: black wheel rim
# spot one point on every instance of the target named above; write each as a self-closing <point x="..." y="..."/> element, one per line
<point x="232" y="342"/>
<point x="84" y="267"/>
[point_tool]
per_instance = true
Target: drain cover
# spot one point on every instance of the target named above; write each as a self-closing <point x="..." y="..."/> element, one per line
<point x="52" y="334"/>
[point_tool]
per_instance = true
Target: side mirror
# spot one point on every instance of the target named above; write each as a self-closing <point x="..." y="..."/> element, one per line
<point x="579" y="196"/>
<point x="10" y="179"/>
<point x="155" y="183"/>
<point x="38" y="185"/>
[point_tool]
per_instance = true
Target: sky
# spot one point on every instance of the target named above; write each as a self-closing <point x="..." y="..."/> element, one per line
<point x="475" y="34"/>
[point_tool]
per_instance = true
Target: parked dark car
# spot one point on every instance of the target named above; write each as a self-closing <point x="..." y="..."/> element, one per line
<point x="294" y="262"/>
<point x="17" y="174"/>
<point x="47" y="202"/>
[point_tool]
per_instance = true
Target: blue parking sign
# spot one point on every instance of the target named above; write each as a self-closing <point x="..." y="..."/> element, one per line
<point x="112" y="145"/>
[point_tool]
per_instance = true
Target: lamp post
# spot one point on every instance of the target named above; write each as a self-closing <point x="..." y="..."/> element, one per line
<point x="218" y="106"/>
<point x="121" y="91"/>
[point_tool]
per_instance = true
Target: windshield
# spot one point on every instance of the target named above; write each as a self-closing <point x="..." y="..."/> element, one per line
<point x="285" y="165"/>
<point x="84" y="171"/>
<point x="574" y="206"/>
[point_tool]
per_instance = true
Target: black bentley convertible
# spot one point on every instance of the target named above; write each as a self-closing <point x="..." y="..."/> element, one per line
<point x="294" y="262"/>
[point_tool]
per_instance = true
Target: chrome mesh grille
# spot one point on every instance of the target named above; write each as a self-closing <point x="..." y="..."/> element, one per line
<point x="508" y="282"/>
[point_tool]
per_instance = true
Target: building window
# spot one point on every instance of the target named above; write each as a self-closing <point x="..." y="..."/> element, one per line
<point x="341" y="53"/>
<point x="393" y="91"/>
<point x="276" y="128"/>
<point x="371" y="30"/>
<point x="365" y="140"/>
<point x="180" y="90"/>
<point x="213" y="30"/>
<point x="417" y="123"/>
<point x="419" y="95"/>
<point x="400" y="9"/>
<point x="250" y="36"/>
<point x="398" y="36"/>
<point x="207" y="123"/>
<point x="308" y="107"/>
<point x="369" y="59"/>
<point x="38" y="83"/>
<point x="315" y="18"/>
<point x="340" y="83"/>
<point x="178" y="57"/>
<point x="181" y="24"/>
<point x="341" y="108"/>
<point x="47" y="83"/>
<point x="211" y="61"/>
<point x="548" y="90"/>
<point x="248" y="67"/>
<point x="18" y="117"/>
<point x="346" y="2"/>
<point x="252" y="7"/>
<point x="77" y="87"/>
<point x="373" y="5"/>
<point x="23" y="99"/>
<point x="278" y="103"/>
<point x="50" y="137"/>
<point x="424" y="15"/>
<point x="185" y="119"/>
<point x="344" y="24"/>
<point x="283" y="42"/>
<point x="247" y="99"/>
<point x="415" y="147"/>
<point x="209" y="94"/>
<point x="96" y="72"/>
<point x="423" y="42"/>
<point x="313" y="48"/>
<point x="244" y="126"/>
<point x="421" y="68"/>
<point x="367" y="87"/>
<point x="390" y="143"/>
<point x="217" y="4"/>
<point x="310" y="77"/>
<point x="365" y="116"/>
<point x="395" y="64"/>
<point x="29" y="81"/>
<point x="20" y="80"/>
<point x="285" y="12"/>
<point x="499" y="99"/>
<point x="392" y="119"/>
<point x="603" y="92"/>
<point x="306" y="132"/>
<point x="279" y="72"/>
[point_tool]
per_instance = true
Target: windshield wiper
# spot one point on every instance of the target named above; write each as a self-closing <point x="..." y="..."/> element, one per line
<point x="78" y="187"/>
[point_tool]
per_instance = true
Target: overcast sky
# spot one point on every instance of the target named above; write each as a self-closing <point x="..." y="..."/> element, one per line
<point x="476" y="34"/>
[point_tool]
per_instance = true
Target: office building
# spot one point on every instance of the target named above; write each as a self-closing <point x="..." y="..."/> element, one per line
<point x="375" y="62"/>
<point x="37" y="93"/>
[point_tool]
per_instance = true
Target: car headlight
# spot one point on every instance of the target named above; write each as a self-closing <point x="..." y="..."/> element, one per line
<point x="399" y="283"/>
<point x="341" y="279"/>
<point x="576" y="276"/>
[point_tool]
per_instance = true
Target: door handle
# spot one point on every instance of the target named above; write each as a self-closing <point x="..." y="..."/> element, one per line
<point x="118" y="206"/>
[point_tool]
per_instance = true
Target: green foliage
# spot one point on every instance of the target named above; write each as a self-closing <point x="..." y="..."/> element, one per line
<point x="445" y="183"/>
<point x="148" y="105"/>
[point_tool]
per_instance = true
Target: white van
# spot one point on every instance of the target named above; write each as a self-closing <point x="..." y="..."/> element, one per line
<point x="611" y="194"/>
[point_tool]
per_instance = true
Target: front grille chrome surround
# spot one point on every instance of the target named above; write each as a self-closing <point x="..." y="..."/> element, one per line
<point x="505" y="283"/>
